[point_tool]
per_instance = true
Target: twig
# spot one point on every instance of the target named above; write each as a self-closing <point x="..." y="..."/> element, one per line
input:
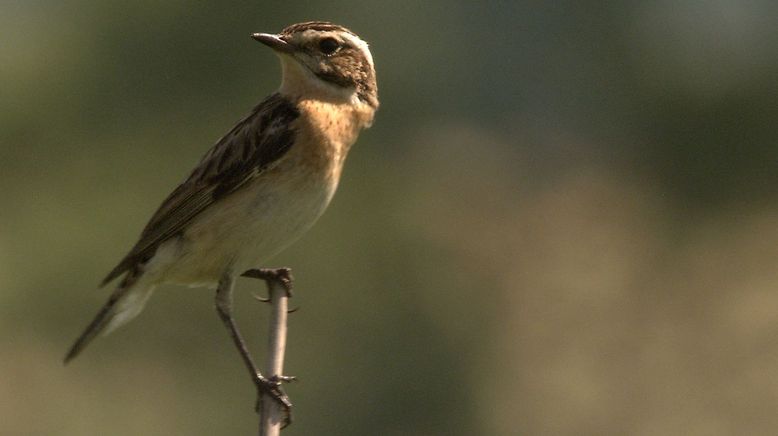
<point x="272" y="415"/>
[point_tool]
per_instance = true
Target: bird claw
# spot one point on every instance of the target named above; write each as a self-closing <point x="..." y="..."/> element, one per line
<point x="272" y="388"/>
<point x="281" y="275"/>
<point x="267" y="300"/>
<point x="261" y="299"/>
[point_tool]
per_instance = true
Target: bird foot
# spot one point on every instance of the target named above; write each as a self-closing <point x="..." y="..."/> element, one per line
<point x="271" y="387"/>
<point x="279" y="275"/>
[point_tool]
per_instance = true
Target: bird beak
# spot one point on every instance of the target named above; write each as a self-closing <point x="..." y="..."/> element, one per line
<point x="274" y="42"/>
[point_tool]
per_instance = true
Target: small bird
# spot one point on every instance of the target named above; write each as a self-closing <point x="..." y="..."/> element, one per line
<point x="261" y="185"/>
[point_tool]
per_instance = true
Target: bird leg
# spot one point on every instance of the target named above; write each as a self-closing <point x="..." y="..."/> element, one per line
<point x="270" y="386"/>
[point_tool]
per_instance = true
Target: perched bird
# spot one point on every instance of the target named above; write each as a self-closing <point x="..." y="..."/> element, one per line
<point x="262" y="184"/>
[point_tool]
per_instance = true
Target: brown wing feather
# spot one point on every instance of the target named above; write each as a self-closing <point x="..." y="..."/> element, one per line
<point x="255" y="142"/>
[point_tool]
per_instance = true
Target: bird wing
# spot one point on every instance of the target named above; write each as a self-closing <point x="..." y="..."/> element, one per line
<point x="256" y="142"/>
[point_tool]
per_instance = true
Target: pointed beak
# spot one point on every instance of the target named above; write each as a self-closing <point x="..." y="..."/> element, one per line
<point x="274" y="42"/>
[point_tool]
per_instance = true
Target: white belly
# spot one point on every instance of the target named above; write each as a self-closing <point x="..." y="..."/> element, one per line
<point x="245" y="229"/>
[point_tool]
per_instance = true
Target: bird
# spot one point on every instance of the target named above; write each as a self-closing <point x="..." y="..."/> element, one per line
<point x="261" y="186"/>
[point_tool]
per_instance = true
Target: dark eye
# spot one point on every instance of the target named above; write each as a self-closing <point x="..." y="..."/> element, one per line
<point x="328" y="46"/>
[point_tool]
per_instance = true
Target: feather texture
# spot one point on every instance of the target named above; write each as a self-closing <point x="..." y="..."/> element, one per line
<point x="248" y="149"/>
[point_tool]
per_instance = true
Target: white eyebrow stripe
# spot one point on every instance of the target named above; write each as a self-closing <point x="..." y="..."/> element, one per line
<point x="352" y="39"/>
<point x="359" y="44"/>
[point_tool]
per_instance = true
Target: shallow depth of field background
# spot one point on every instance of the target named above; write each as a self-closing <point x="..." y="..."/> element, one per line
<point x="564" y="221"/>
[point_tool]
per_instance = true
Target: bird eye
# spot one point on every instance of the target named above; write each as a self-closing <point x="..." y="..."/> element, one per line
<point x="328" y="46"/>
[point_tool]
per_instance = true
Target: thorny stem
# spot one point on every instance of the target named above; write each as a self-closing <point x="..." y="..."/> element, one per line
<point x="273" y="405"/>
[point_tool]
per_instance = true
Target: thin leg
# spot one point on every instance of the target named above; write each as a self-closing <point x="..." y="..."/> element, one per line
<point x="270" y="386"/>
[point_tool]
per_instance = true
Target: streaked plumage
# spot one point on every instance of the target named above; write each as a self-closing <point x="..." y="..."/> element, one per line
<point x="263" y="184"/>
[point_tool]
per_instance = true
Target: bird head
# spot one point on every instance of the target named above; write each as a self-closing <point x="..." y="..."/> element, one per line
<point x="324" y="58"/>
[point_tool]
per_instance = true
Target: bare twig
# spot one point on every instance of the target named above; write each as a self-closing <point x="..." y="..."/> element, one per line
<point x="273" y="415"/>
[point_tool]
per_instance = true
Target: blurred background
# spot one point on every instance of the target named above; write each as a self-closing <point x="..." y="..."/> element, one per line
<point x="562" y="223"/>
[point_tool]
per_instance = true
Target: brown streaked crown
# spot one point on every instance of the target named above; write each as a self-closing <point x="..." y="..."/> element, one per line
<point x="321" y="26"/>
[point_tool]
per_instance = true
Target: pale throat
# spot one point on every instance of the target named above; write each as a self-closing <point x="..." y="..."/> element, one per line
<point x="332" y="103"/>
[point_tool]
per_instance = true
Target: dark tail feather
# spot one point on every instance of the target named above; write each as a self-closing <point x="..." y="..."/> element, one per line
<point x="96" y="326"/>
<point x="125" y="303"/>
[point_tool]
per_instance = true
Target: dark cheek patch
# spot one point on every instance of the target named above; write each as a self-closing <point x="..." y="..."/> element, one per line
<point x="333" y="76"/>
<point x="349" y="68"/>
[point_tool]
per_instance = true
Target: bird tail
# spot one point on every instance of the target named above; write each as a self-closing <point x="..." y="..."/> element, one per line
<point x="125" y="303"/>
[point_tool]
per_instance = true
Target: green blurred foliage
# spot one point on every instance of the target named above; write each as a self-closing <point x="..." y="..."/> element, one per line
<point x="562" y="222"/>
